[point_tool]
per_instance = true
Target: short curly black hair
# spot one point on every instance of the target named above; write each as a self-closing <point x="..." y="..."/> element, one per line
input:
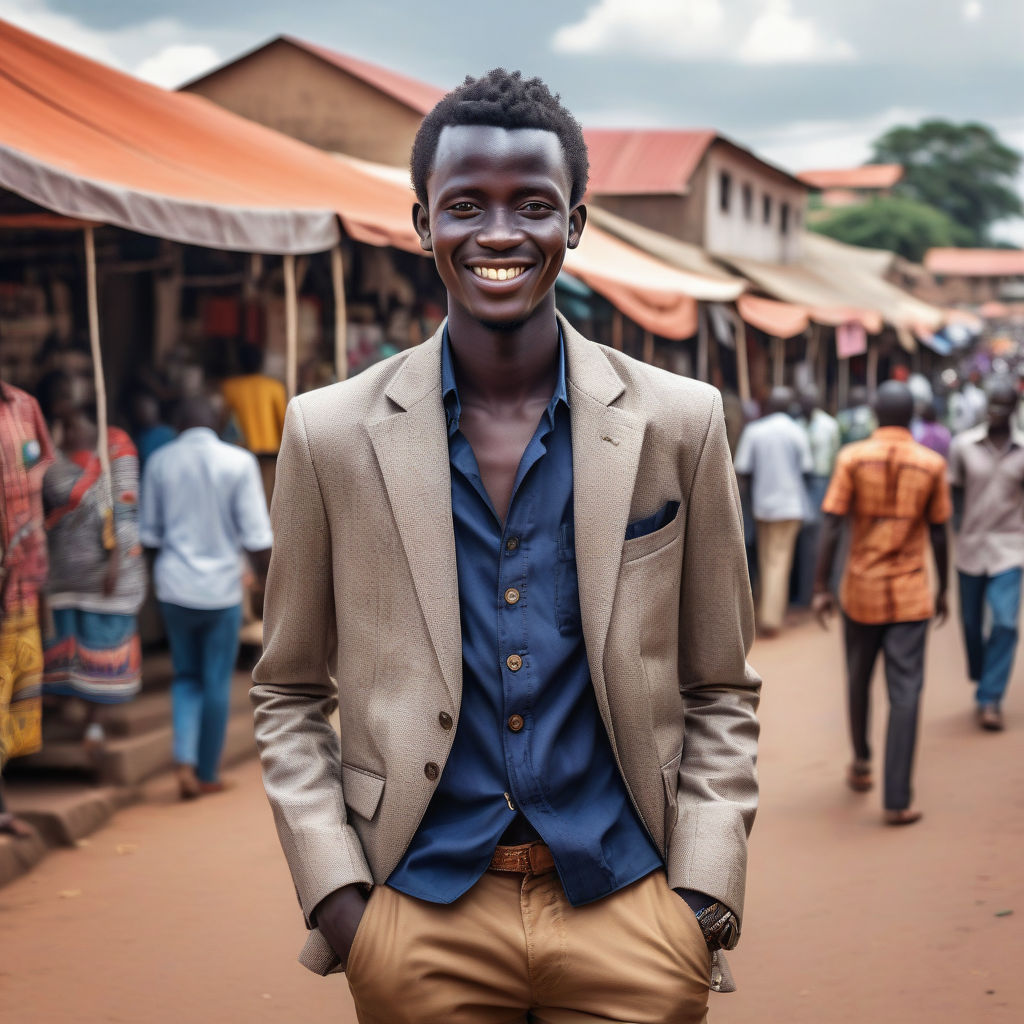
<point x="501" y="99"/>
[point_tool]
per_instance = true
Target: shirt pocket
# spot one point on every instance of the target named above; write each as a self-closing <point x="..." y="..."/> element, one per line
<point x="567" y="584"/>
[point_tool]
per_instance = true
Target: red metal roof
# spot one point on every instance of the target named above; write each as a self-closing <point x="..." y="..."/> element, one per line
<point x="410" y="91"/>
<point x="868" y="176"/>
<point x="975" y="262"/>
<point x="627" y="161"/>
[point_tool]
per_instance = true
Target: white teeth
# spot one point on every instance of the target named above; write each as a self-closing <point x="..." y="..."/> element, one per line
<point x="497" y="273"/>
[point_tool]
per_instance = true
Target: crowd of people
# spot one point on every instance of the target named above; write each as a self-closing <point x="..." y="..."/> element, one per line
<point x="854" y="511"/>
<point x="81" y="536"/>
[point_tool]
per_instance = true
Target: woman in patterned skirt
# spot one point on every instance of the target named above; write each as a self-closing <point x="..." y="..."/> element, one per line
<point x="97" y="576"/>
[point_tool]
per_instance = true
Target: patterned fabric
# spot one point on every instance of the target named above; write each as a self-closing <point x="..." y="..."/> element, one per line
<point x="893" y="488"/>
<point x="74" y="499"/>
<point x="21" y="667"/>
<point x="25" y="453"/>
<point x="94" y="655"/>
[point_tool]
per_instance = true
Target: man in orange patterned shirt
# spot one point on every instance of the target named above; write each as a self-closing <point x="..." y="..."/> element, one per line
<point x="895" y="492"/>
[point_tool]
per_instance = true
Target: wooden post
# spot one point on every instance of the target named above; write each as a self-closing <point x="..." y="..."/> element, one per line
<point x="702" y="342"/>
<point x="648" y="348"/>
<point x="821" y="364"/>
<point x="291" y="326"/>
<point x="742" y="367"/>
<point x="617" y="330"/>
<point x="872" y="370"/>
<point x="103" y="447"/>
<point x="340" y="316"/>
<point x="778" y="362"/>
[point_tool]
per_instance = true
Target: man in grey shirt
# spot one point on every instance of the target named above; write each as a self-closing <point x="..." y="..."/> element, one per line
<point x="986" y="472"/>
<point x="772" y="463"/>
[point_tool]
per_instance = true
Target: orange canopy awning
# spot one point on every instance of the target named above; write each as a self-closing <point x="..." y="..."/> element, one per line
<point x="89" y="142"/>
<point x="776" y="319"/>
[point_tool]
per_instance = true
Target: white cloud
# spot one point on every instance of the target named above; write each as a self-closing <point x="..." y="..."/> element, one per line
<point x="162" y="50"/>
<point x="973" y="10"/>
<point x="667" y="28"/>
<point x="779" y="36"/>
<point x="701" y="29"/>
<point x="177" y="63"/>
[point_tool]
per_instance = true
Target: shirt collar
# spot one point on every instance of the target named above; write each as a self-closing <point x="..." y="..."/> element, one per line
<point x="450" y="390"/>
<point x="199" y="433"/>
<point x="892" y="434"/>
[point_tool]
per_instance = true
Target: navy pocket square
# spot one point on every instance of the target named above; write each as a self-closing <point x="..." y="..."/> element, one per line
<point x="649" y="524"/>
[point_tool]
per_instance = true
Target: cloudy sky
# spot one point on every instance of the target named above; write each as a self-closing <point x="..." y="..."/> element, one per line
<point x="807" y="83"/>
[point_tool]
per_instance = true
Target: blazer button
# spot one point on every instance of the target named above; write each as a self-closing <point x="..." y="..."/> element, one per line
<point x="511" y="595"/>
<point x="445" y="719"/>
<point x="514" y="662"/>
<point x="515" y="722"/>
<point x="431" y="771"/>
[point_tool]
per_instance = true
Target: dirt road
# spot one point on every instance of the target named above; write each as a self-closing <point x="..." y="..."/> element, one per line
<point x="185" y="912"/>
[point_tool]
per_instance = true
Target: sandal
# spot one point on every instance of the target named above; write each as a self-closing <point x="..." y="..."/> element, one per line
<point x="858" y="777"/>
<point x="907" y="816"/>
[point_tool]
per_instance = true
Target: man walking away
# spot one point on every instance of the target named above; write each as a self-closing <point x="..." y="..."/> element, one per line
<point x="772" y="461"/>
<point x="896" y="494"/>
<point x="823" y="437"/>
<point x="202" y="505"/>
<point x="986" y="471"/>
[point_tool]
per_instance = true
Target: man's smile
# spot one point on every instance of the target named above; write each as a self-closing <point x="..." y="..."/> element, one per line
<point x="493" y="271"/>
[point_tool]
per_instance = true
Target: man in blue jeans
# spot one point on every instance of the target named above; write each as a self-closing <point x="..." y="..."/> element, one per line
<point x="202" y="505"/>
<point x="986" y="472"/>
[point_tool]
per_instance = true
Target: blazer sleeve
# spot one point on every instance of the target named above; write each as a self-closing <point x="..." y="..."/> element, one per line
<point x="718" y="789"/>
<point x="293" y="695"/>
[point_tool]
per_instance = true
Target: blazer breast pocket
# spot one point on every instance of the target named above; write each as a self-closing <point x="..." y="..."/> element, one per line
<point x="647" y="535"/>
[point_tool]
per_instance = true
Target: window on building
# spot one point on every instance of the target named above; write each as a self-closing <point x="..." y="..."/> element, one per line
<point x="766" y="208"/>
<point x="724" y="191"/>
<point x="784" y="219"/>
<point x="748" y="202"/>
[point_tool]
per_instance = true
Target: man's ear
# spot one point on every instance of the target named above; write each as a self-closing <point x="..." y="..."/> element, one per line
<point x="421" y="222"/>
<point x="577" y="219"/>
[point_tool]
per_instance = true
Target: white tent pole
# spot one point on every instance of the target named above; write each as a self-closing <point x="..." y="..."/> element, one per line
<point x="291" y="326"/>
<point x="103" y="449"/>
<point x="340" y="315"/>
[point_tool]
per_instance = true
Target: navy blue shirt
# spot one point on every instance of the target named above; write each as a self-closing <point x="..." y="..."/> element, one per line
<point x="529" y="740"/>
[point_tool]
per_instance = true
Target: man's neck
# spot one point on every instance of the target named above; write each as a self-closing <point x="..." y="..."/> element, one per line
<point x="499" y="367"/>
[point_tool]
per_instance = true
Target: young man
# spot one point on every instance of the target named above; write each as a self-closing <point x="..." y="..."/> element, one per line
<point x="895" y="492"/>
<point x="513" y="561"/>
<point x="986" y="471"/>
<point x="202" y="505"/>
<point x="774" y="464"/>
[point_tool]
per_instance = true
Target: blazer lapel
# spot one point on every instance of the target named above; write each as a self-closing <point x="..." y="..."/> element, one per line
<point x="606" y="446"/>
<point x="412" y="450"/>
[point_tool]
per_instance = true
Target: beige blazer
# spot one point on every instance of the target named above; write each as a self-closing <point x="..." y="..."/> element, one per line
<point x="362" y="616"/>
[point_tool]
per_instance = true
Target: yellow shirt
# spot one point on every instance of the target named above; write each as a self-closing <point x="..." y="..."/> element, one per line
<point x="258" y="403"/>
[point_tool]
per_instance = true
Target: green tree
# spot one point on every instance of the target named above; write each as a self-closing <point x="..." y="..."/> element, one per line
<point x="892" y="222"/>
<point x="964" y="170"/>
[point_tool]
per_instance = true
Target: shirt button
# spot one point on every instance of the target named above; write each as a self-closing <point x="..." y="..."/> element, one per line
<point x="431" y="771"/>
<point x="511" y="595"/>
<point x="445" y="719"/>
<point x="515" y="722"/>
<point x="514" y="662"/>
<point x="512" y="543"/>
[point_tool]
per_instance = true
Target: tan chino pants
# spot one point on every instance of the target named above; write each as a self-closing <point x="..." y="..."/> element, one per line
<point x="776" y="542"/>
<point x="514" y="951"/>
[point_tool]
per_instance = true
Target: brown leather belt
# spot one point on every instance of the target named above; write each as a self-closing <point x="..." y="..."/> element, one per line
<point x="526" y="859"/>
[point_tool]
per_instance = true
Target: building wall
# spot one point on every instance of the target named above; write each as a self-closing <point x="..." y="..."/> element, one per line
<point x="665" y="213"/>
<point x="286" y="88"/>
<point x="738" y="232"/>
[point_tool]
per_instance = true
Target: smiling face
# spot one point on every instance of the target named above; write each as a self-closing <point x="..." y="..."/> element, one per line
<point x="499" y="221"/>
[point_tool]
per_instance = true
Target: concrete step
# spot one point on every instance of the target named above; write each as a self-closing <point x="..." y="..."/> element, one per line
<point x="64" y="812"/>
<point x="139" y="741"/>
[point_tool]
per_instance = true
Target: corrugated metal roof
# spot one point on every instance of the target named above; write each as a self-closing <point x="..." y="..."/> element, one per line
<point x="868" y="176"/>
<point x="628" y="161"/>
<point x="975" y="262"/>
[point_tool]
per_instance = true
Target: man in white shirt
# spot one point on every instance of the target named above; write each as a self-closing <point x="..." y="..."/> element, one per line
<point x="202" y="505"/>
<point x="772" y="462"/>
